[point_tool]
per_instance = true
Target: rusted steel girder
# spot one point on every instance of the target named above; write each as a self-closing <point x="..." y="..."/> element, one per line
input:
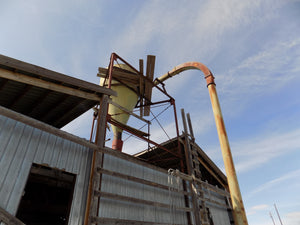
<point x="239" y="213"/>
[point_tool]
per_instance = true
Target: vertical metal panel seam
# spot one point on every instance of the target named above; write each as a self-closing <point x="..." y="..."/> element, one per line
<point x="73" y="218"/>
<point x="7" y="154"/>
<point x="7" y="138"/>
<point x="39" y="154"/>
<point x="82" y="176"/>
<point x="25" y="169"/>
<point x="22" y="151"/>
<point x="50" y="148"/>
<point x="51" y="159"/>
<point x="70" y="160"/>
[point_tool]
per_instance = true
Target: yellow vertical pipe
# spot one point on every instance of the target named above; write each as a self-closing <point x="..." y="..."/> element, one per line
<point x="239" y="213"/>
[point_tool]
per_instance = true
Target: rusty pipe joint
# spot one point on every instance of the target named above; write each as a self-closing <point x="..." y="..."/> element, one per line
<point x="210" y="79"/>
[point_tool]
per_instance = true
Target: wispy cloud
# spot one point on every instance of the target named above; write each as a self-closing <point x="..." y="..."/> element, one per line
<point x="295" y="175"/>
<point x="292" y="218"/>
<point x="247" y="151"/>
<point x="197" y="31"/>
<point x="260" y="207"/>
<point x="192" y="30"/>
<point x="263" y="73"/>
<point x="254" y="209"/>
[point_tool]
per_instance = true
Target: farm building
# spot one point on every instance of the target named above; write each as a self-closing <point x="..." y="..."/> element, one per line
<point x="49" y="176"/>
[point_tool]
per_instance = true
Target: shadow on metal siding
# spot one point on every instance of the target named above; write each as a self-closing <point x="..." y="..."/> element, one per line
<point x="125" y="210"/>
<point x="21" y="145"/>
<point x="219" y="214"/>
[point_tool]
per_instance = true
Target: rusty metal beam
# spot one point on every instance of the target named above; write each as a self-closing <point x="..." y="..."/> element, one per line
<point x="114" y="57"/>
<point x="236" y="197"/>
<point x="141" y="137"/>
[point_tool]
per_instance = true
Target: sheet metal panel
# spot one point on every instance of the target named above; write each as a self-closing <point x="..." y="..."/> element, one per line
<point x="21" y="145"/>
<point x="218" y="213"/>
<point x="132" y="211"/>
<point x="219" y="216"/>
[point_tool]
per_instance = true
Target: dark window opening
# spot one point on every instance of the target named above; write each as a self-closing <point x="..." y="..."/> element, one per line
<point x="47" y="196"/>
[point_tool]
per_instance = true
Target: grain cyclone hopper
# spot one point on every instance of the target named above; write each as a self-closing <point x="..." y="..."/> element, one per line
<point x="126" y="98"/>
<point x="131" y="89"/>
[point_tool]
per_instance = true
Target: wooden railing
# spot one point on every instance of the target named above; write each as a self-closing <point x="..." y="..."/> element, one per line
<point x="8" y="219"/>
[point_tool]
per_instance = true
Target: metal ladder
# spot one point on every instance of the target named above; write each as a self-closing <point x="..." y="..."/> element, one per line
<point x="194" y="170"/>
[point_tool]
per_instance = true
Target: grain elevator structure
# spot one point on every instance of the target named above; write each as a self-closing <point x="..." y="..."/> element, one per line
<point x="49" y="176"/>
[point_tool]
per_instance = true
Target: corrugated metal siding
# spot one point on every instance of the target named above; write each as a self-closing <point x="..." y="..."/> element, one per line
<point x="219" y="214"/>
<point x="21" y="145"/>
<point x="131" y="211"/>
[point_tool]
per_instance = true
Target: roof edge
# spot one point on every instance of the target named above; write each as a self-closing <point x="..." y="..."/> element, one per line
<point x="20" y="66"/>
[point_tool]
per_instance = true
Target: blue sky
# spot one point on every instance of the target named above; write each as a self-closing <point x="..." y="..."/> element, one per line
<point x="252" y="47"/>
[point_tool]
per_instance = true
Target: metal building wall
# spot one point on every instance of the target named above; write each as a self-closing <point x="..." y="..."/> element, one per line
<point x="131" y="211"/>
<point x="21" y="145"/>
<point x="218" y="213"/>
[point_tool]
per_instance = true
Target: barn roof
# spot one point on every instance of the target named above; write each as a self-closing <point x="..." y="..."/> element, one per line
<point x="159" y="157"/>
<point x="45" y="95"/>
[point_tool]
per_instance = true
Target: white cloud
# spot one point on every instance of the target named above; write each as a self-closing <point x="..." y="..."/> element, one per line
<point x="257" y="208"/>
<point x="295" y="175"/>
<point x="292" y="218"/>
<point x="246" y="152"/>
<point x="196" y="31"/>
<point x="260" y="207"/>
<point x="264" y="72"/>
<point x="192" y="28"/>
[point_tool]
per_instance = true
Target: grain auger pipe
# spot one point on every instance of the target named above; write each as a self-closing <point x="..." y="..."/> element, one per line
<point x="236" y="197"/>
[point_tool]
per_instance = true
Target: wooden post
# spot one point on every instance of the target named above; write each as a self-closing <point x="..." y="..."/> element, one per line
<point x="190" y="126"/>
<point x="94" y="182"/>
<point x="101" y="122"/>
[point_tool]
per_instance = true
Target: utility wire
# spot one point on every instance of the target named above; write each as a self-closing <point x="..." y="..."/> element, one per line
<point x="160" y="125"/>
<point x="150" y="121"/>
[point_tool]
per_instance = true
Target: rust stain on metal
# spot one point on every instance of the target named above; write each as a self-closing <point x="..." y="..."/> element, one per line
<point x="188" y="66"/>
